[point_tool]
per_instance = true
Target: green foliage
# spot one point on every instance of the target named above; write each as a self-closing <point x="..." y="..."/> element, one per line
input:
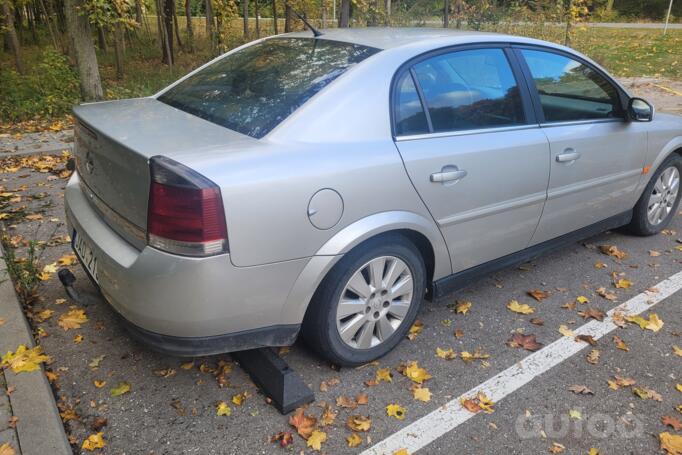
<point x="24" y="272"/>
<point x="50" y="89"/>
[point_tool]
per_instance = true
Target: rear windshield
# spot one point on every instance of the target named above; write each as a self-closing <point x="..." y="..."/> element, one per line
<point x="254" y="89"/>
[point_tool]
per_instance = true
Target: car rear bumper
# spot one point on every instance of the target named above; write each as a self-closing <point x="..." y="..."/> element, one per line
<point x="184" y="305"/>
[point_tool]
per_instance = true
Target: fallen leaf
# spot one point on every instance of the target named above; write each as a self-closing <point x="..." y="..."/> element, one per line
<point x="421" y="393"/>
<point x="593" y="356"/>
<point x="478" y="403"/>
<point x="447" y="354"/>
<point x="620" y="344"/>
<point x="397" y="411"/>
<point x="671" y="421"/>
<point x="120" y="389"/>
<point x="44" y="315"/>
<point x="593" y="313"/>
<point x="72" y="319"/>
<point x="654" y="253"/>
<point x="354" y="440"/>
<point x="582" y="299"/>
<point x="99" y="384"/>
<point x="618" y="319"/>
<point x="223" y="409"/>
<point x="575" y="414"/>
<point x="623" y="283"/>
<point x="646" y="393"/>
<point x="67" y="259"/>
<point x="384" y="374"/>
<point x="527" y="342"/>
<point x="284" y="438"/>
<point x="653" y="323"/>
<point x="94" y="441"/>
<point x="328" y="416"/>
<point x="94" y="363"/>
<point x="537" y="321"/>
<point x="477" y="355"/>
<point x="538" y="294"/>
<point x="608" y="295"/>
<point x="600" y="265"/>
<point x="586" y="339"/>
<point x="617" y="382"/>
<point x="24" y="360"/>
<point x="187" y="365"/>
<point x="557" y="448"/>
<point x="78" y="338"/>
<point x="325" y="385"/>
<point x="415" y="330"/>
<point x="462" y="307"/>
<point x="516" y="307"/>
<point x="671" y="443"/>
<point x="239" y="398"/>
<point x="304" y="424"/>
<point x="678" y="387"/>
<point x="358" y="423"/>
<point x="459" y="333"/>
<point x="580" y="390"/>
<point x="346" y="402"/>
<point x="401" y="452"/>
<point x="415" y="373"/>
<point x="316" y="439"/>
<point x="613" y="251"/>
<point x="362" y="398"/>
<point x="565" y="331"/>
<point x="677" y="351"/>
<point x="6" y="449"/>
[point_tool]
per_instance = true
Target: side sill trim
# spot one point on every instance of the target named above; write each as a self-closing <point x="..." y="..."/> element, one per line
<point x="459" y="280"/>
<point x="278" y="335"/>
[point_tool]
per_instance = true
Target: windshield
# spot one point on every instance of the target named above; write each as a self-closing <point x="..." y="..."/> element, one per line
<point x="254" y="89"/>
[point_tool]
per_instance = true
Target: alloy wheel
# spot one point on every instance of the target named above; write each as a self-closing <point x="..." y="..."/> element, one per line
<point x="663" y="196"/>
<point x="374" y="302"/>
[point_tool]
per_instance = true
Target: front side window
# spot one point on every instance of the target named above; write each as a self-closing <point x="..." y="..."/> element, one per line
<point x="470" y="89"/>
<point x="570" y="90"/>
<point x="254" y="89"/>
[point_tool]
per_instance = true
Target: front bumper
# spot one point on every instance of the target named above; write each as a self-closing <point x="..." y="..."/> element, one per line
<point x="184" y="305"/>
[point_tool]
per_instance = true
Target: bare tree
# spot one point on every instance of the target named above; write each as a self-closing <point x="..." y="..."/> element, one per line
<point x="210" y="23"/>
<point x="165" y="14"/>
<point x="446" y="13"/>
<point x="84" y="50"/>
<point x="287" y="17"/>
<point x="255" y="5"/>
<point x="176" y="25"/>
<point x="190" y="30"/>
<point x="11" y="36"/>
<point x="274" y="15"/>
<point x="344" y="16"/>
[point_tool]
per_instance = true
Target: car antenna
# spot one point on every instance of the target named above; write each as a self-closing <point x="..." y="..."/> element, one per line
<point x="315" y="31"/>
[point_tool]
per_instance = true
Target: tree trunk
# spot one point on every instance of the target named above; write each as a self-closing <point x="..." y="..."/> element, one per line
<point x="138" y="12"/>
<point x="569" y="23"/>
<point x="274" y="16"/>
<point x="255" y="5"/>
<point x="344" y="17"/>
<point x="324" y="14"/>
<point x="209" y="24"/>
<point x="118" y="49"/>
<point x="387" y="8"/>
<point x="167" y="31"/>
<point x="176" y="25"/>
<point x="102" y="40"/>
<point x="84" y="50"/>
<point x="459" y="8"/>
<point x="446" y="13"/>
<point x="48" y="16"/>
<point x="11" y="36"/>
<point x="287" y="17"/>
<point x="190" y="30"/>
<point x="245" y="14"/>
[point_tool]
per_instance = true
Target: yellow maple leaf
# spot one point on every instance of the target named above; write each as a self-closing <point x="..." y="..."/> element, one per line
<point x="67" y="259"/>
<point x="24" y="360"/>
<point x="654" y="323"/>
<point x="582" y="299"/>
<point x="354" y="440"/>
<point x="187" y="365"/>
<point x="94" y="441"/>
<point x="671" y="443"/>
<point x="416" y="373"/>
<point x="120" y="389"/>
<point x="44" y="315"/>
<point x="316" y="439"/>
<point x="72" y="319"/>
<point x="623" y="283"/>
<point x="384" y="374"/>
<point x="677" y="351"/>
<point x="99" y="384"/>
<point x="239" y="398"/>
<point x="401" y="452"/>
<point x="565" y="331"/>
<point x="397" y="411"/>
<point x="222" y="409"/>
<point x="415" y="330"/>
<point x="679" y="387"/>
<point x="421" y="394"/>
<point x="78" y="338"/>
<point x="594" y="451"/>
<point x="517" y="307"/>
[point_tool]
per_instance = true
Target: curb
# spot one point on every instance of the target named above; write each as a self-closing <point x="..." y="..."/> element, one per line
<point x="39" y="428"/>
<point x="45" y="151"/>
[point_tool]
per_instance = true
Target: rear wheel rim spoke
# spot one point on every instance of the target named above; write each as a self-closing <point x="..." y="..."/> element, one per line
<point x="663" y="196"/>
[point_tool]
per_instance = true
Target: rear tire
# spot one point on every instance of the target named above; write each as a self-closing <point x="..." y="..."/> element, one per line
<point x="368" y="301"/>
<point x="659" y="201"/>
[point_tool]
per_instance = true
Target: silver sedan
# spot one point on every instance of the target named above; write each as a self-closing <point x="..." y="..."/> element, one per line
<point x="328" y="185"/>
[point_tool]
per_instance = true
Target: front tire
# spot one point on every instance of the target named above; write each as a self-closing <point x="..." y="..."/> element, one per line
<point x="367" y="303"/>
<point x="660" y="199"/>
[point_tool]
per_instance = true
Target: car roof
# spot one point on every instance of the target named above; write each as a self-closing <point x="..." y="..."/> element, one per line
<point x="390" y="37"/>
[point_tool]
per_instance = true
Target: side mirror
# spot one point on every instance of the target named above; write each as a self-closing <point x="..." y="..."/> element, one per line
<point x="640" y="110"/>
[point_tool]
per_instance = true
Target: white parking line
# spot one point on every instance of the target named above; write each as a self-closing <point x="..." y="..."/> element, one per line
<point x="449" y="416"/>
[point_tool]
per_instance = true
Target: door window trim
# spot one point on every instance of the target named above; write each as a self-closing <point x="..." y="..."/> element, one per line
<point x="517" y="72"/>
<point x="516" y="48"/>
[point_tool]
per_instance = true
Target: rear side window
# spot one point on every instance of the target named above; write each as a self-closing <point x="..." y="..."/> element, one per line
<point x="570" y="90"/>
<point x="470" y="89"/>
<point x="409" y="112"/>
<point x="254" y="89"/>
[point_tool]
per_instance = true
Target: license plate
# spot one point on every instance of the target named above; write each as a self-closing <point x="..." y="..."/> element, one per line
<point x="84" y="252"/>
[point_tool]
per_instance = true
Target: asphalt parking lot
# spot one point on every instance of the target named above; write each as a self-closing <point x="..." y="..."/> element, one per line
<point x="171" y="405"/>
<point x="556" y="399"/>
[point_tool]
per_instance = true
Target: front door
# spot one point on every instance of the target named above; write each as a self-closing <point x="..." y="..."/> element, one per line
<point x="596" y="154"/>
<point x="466" y="134"/>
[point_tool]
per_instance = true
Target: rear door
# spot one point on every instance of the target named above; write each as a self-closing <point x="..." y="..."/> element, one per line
<point x="596" y="154"/>
<point x="467" y="135"/>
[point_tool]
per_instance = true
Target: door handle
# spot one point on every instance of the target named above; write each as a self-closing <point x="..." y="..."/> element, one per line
<point x="448" y="176"/>
<point x="568" y="156"/>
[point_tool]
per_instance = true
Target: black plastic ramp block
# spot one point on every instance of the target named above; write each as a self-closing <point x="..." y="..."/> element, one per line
<point x="274" y="377"/>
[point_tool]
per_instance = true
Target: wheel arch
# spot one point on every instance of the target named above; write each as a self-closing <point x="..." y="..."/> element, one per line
<point x="422" y="232"/>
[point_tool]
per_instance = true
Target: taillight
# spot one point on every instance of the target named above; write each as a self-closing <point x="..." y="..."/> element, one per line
<point x="185" y="214"/>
